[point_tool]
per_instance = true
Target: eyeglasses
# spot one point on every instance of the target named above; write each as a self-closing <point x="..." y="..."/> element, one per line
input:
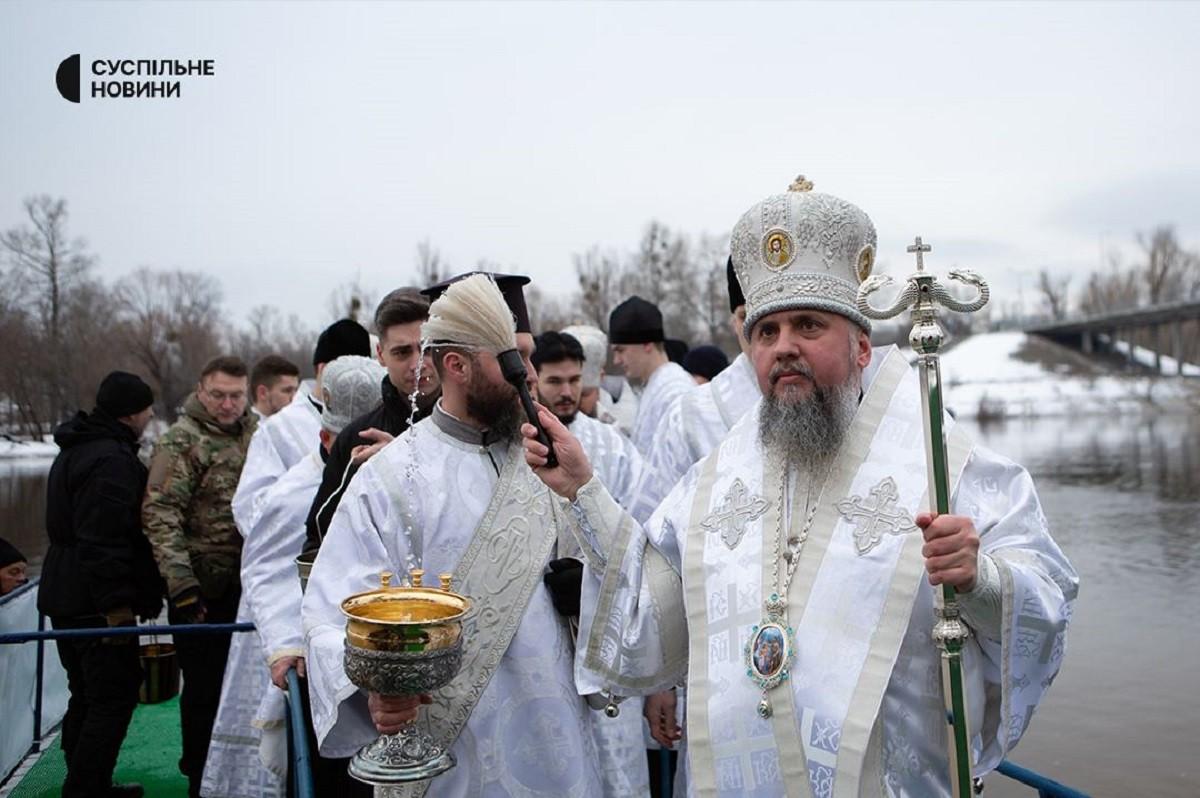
<point x="220" y="396"/>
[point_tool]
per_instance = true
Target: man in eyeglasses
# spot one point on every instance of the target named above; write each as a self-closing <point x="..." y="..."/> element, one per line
<point x="188" y="518"/>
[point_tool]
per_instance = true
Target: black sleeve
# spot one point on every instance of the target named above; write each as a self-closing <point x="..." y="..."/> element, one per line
<point x="108" y="525"/>
<point x="333" y="484"/>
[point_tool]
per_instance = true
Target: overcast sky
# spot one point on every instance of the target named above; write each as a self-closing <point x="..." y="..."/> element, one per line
<point x="333" y="138"/>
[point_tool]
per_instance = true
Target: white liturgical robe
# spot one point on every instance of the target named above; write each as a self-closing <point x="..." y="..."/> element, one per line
<point x="248" y="754"/>
<point x="438" y="496"/>
<point x="692" y="428"/>
<point x="620" y="740"/>
<point x="279" y="443"/>
<point x="617" y="462"/>
<point x="665" y="386"/>
<point x="859" y="710"/>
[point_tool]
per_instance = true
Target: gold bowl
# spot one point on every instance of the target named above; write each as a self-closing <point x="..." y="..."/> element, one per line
<point x="411" y="619"/>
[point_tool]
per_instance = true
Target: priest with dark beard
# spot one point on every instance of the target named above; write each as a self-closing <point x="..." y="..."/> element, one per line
<point x="453" y="495"/>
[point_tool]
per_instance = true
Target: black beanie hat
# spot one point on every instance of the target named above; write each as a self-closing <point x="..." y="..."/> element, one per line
<point x="707" y="361"/>
<point x="9" y="554"/>
<point x="736" y="297"/>
<point x="635" y="321"/>
<point x="345" y="337"/>
<point x="123" y="394"/>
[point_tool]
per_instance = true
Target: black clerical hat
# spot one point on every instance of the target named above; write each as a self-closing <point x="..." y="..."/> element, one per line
<point x="510" y="285"/>
<point x="345" y="337"/>
<point x="635" y="321"/>
<point x="708" y="361"/>
<point x="736" y="297"/>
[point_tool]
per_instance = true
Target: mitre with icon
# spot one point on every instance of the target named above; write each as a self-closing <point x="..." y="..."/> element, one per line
<point x="803" y="249"/>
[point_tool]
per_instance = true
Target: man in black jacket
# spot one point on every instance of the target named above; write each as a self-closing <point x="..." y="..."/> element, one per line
<point x="99" y="571"/>
<point x="398" y="321"/>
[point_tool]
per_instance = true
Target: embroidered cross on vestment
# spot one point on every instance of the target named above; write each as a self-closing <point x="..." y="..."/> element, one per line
<point x="737" y="508"/>
<point x="876" y="515"/>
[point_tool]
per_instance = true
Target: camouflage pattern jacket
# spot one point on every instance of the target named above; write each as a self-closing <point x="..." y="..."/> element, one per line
<point x="187" y="513"/>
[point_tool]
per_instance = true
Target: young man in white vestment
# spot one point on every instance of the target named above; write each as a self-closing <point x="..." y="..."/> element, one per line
<point x="559" y="359"/>
<point x="699" y="419"/>
<point x="635" y="332"/>
<point x="287" y="436"/>
<point x="692" y="428"/>
<point x="791" y="573"/>
<point x="453" y="495"/>
<point x="248" y="756"/>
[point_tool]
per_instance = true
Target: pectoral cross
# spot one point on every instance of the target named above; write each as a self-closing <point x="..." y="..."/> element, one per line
<point x="920" y="248"/>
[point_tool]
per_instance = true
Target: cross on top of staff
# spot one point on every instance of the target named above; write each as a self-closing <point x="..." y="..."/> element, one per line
<point x="920" y="248"/>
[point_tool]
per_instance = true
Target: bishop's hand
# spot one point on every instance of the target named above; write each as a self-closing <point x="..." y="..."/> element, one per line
<point x="573" y="470"/>
<point x="951" y="550"/>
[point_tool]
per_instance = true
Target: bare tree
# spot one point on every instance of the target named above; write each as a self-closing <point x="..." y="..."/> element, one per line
<point x="1169" y="271"/>
<point x="1116" y="289"/>
<point x="267" y="332"/>
<point x="171" y="324"/>
<point x="43" y="253"/>
<point x="431" y="267"/>
<point x="352" y="300"/>
<point x="600" y="278"/>
<point x="1054" y="292"/>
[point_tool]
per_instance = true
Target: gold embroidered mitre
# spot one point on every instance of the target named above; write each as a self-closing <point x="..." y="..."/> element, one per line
<point x="803" y="249"/>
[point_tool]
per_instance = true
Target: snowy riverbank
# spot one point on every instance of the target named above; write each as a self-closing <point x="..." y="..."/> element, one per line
<point x="13" y="449"/>
<point x="1009" y="374"/>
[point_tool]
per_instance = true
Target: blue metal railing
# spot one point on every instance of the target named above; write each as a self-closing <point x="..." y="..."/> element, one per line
<point x="300" y="771"/>
<point x="1046" y="787"/>
<point x="297" y="728"/>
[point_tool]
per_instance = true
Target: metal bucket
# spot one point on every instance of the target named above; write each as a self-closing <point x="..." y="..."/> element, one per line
<point x="304" y="565"/>
<point x="160" y="673"/>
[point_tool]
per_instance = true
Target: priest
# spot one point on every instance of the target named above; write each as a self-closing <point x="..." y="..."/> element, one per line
<point x="453" y="495"/>
<point x="698" y="421"/>
<point x="790" y="575"/>
<point x="560" y="362"/>
<point x="248" y="756"/>
<point x="286" y="437"/>
<point x="635" y="332"/>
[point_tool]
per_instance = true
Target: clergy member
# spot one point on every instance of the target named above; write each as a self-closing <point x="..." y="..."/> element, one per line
<point x="248" y="755"/>
<point x="453" y="495"/>
<point x="287" y="436"/>
<point x="698" y="421"/>
<point x="635" y="332"/>
<point x="790" y="575"/>
<point x="560" y="362"/>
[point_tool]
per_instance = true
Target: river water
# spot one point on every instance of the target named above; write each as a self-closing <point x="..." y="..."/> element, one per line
<point x="1123" y="499"/>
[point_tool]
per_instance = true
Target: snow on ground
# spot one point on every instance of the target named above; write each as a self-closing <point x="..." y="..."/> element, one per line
<point x="10" y="448"/>
<point x="1014" y="374"/>
<point x="1146" y="358"/>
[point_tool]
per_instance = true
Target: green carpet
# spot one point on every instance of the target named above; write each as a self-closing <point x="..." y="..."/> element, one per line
<point x="149" y="756"/>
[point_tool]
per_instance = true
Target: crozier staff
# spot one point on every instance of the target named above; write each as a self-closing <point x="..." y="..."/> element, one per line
<point x="798" y="530"/>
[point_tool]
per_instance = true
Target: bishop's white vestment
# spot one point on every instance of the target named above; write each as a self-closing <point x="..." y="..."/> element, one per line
<point x="665" y="386"/>
<point x="279" y="442"/>
<point x="861" y="712"/>
<point x="444" y="497"/>
<point x="248" y="754"/>
<point x="620" y="741"/>
<point x="692" y="428"/>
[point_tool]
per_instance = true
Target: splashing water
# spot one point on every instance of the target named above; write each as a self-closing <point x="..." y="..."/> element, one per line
<point x="410" y="473"/>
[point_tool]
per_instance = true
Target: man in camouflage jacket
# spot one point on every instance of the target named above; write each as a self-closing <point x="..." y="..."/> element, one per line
<point x="188" y="518"/>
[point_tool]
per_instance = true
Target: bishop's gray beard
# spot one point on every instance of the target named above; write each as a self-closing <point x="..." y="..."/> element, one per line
<point x="498" y="406"/>
<point x="808" y="431"/>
